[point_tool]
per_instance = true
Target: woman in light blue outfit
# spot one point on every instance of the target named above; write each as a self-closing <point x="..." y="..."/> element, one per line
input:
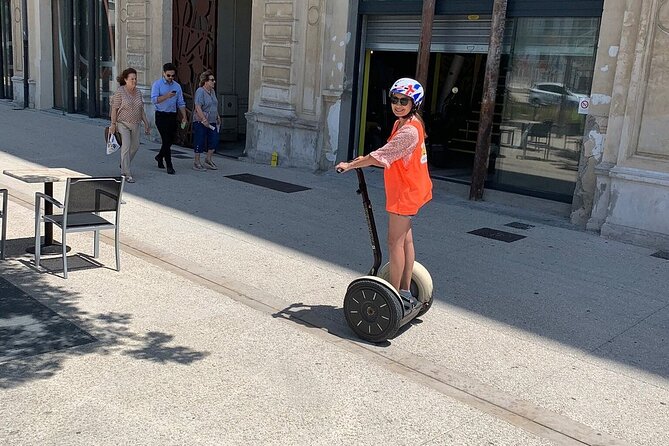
<point x="206" y="122"/>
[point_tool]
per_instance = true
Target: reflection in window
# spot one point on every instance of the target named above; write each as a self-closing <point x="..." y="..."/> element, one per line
<point x="550" y="71"/>
<point x="83" y="49"/>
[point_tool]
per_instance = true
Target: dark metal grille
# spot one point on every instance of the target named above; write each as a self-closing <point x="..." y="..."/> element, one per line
<point x="269" y="183"/>
<point x="661" y="255"/>
<point x="519" y="225"/>
<point x="496" y="234"/>
<point x="194" y="26"/>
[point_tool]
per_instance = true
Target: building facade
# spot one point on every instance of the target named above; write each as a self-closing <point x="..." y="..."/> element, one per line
<point x="580" y="114"/>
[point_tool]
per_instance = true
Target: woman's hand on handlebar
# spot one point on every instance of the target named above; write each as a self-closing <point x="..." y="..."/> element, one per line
<point x="342" y="167"/>
<point x="346" y="166"/>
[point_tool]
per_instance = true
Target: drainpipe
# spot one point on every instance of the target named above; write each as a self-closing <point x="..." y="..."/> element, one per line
<point x="26" y="86"/>
<point x="488" y="102"/>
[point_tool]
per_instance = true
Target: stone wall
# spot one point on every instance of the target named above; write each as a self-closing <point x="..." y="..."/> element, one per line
<point x="297" y="75"/>
<point x="630" y="192"/>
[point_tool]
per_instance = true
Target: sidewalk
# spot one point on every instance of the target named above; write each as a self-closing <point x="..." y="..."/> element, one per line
<point x="225" y="326"/>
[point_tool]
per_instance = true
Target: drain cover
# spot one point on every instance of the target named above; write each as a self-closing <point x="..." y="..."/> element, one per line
<point x="519" y="225"/>
<point x="269" y="183"/>
<point x="661" y="255"/>
<point x="496" y="234"/>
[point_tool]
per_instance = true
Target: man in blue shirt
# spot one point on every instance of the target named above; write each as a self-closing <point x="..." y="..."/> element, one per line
<point x="167" y="98"/>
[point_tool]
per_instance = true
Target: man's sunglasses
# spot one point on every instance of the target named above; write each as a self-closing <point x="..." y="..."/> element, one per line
<point x="402" y="101"/>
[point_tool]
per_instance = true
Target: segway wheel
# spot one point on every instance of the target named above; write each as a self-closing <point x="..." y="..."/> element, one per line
<point x="372" y="309"/>
<point x="421" y="284"/>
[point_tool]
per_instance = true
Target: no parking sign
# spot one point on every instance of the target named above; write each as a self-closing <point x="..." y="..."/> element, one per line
<point x="583" y="106"/>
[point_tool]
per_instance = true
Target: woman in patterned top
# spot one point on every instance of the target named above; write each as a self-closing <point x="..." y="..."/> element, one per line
<point x="127" y="111"/>
<point x="406" y="178"/>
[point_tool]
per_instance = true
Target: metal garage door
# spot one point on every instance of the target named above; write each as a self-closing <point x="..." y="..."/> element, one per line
<point x="450" y="34"/>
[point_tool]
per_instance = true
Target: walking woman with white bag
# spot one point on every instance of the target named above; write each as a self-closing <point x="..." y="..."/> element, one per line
<point x="127" y="111"/>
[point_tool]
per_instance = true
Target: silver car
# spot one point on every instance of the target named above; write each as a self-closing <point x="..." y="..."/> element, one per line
<point x="549" y="93"/>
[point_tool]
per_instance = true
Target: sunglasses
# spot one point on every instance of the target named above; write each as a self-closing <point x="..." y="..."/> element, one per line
<point x="212" y="79"/>
<point x="402" y="101"/>
<point x="169" y="75"/>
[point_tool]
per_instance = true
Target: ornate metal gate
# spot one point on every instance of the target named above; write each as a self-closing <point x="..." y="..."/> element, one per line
<point x="6" y="54"/>
<point x="193" y="48"/>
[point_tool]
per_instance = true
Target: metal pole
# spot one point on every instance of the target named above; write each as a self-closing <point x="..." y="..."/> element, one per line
<point x="26" y="72"/>
<point x="488" y="102"/>
<point x="423" y="63"/>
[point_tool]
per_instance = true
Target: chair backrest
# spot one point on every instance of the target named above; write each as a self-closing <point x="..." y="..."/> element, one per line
<point x="541" y="130"/>
<point x="93" y="195"/>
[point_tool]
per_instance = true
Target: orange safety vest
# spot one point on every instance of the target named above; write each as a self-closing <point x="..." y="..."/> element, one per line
<point x="408" y="187"/>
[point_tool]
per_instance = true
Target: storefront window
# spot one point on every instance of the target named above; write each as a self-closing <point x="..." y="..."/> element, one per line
<point x="6" y="55"/>
<point x="550" y="71"/>
<point x="83" y="49"/>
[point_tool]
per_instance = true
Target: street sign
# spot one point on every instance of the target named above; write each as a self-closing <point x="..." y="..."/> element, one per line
<point x="583" y="106"/>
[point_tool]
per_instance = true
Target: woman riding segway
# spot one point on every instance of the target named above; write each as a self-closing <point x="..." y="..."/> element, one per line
<point x="407" y="181"/>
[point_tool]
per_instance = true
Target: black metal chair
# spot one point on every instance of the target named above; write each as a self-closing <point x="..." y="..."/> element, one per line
<point x="539" y="137"/>
<point x="85" y="199"/>
<point x="3" y="216"/>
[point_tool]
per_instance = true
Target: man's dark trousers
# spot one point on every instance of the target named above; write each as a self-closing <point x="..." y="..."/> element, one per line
<point x="167" y="127"/>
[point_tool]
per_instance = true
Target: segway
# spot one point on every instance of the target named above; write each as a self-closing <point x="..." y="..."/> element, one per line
<point x="373" y="308"/>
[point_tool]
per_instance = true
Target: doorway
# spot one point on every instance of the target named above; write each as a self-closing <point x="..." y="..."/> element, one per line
<point x="451" y="108"/>
<point x="215" y="35"/>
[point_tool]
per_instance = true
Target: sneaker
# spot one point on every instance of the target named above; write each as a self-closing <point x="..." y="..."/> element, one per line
<point x="129" y="179"/>
<point x="199" y="167"/>
<point x="210" y="164"/>
<point x="408" y="300"/>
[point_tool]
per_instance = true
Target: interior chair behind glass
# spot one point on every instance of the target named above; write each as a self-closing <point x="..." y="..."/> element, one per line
<point x="3" y="216"/>
<point x="539" y="136"/>
<point x="85" y="199"/>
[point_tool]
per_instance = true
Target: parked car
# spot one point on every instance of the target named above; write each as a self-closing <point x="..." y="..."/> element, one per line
<point x="547" y="93"/>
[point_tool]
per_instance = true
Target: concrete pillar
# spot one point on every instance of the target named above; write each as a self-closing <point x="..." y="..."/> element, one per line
<point x="606" y="68"/>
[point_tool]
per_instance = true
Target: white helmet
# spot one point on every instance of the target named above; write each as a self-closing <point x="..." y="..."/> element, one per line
<point x="409" y="87"/>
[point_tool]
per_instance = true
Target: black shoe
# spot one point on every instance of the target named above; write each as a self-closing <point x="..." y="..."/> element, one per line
<point x="160" y="162"/>
<point x="170" y="170"/>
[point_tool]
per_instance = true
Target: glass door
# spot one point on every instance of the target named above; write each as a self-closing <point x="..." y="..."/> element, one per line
<point x="6" y="55"/>
<point x="550" y="72"/>
<point x="83" y="55"/>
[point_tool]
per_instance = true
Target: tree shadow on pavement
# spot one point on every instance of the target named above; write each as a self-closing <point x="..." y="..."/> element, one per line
<point x="603" y="298"/>
<point x="42" y="325"/>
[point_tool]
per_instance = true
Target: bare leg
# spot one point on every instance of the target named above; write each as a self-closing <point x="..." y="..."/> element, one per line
<point x="399" y="228"/>
<point x="409" y="258"/>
